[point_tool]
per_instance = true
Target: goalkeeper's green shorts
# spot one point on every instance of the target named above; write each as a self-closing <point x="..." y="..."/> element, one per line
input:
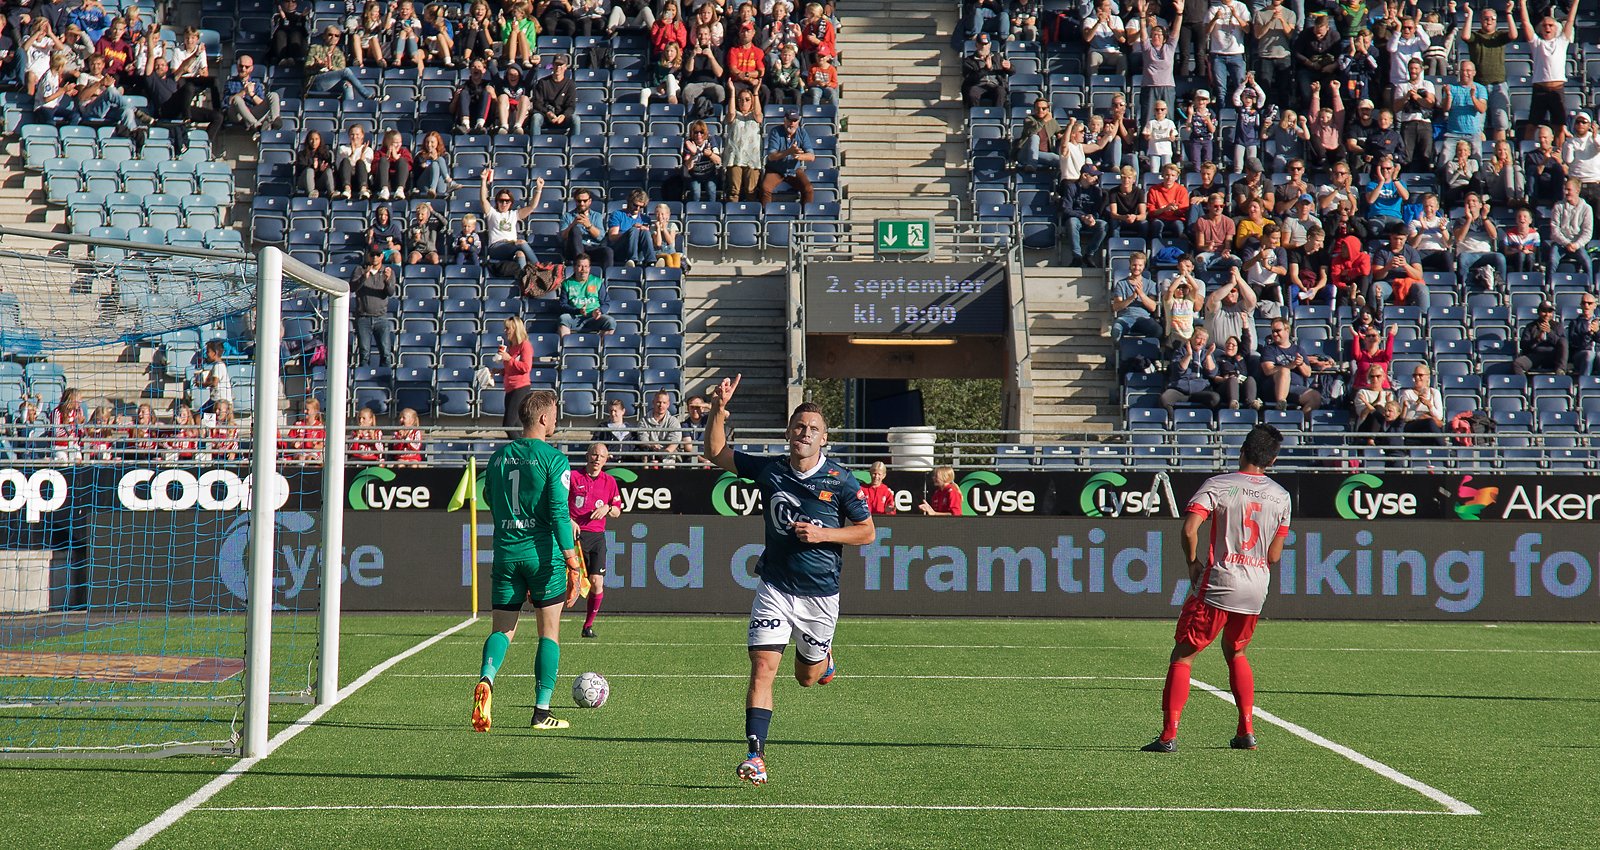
<point x="515" y="582"/>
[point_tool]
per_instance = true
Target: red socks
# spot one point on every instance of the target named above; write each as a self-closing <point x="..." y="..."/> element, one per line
<point x="594" y="608"/>
<point x="1173" y="695"/>
<point x="1242" y="681"/>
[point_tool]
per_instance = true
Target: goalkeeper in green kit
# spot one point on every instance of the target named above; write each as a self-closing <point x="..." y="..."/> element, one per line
<point x="535" y="557"/>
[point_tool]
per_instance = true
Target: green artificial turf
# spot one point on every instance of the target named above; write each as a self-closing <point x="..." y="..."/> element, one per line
<point x="1051" y="714"/>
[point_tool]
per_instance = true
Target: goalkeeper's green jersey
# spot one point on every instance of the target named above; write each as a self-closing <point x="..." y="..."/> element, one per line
<point x="526" y="489"/>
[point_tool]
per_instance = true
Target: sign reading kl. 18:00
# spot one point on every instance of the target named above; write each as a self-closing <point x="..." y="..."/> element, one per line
<point x="905" y="298"/>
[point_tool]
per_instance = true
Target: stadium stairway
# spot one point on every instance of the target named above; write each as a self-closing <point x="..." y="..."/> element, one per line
<point x="22" y="195"/>
<point x="902" y="111"/>
<point x="1068" y="330"/>
<point x="735" y="324"/>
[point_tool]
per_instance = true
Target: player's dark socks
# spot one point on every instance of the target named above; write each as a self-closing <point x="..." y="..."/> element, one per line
<point x="1173" y="697"/>
<point x="756" y="723"/>
<point x="1242" y="681"/>
<point x="540" y="714"/>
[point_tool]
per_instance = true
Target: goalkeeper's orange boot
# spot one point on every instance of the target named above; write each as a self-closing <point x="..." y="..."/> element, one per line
<point x="482" y="697"/>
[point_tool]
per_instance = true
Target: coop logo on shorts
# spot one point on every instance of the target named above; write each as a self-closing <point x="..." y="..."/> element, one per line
<point x="1106" y="494"/>
<point x="182" y="490"/>
<point x="981" y="492"/>
<point x="36" y="494"/>
<point x="1362" y="497"/>
<point x="371" y="490"/>
<point x="735" y="496"/>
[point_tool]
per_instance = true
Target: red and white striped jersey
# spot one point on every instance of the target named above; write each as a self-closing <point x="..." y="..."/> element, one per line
<point x="1247" y="513"/>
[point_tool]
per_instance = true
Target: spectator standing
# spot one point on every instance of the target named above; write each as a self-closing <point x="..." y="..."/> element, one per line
<point x="1372" y="351"/>
<point x="1226" y="25"/>
<point x="1542" y="346"/>
<point x="744" y="155"/>
<point x="1571" y="229"/>
<point x="1464" y="104"/>
<point x="213" y="377"/>
<point x="945" y="498"/>
<point x="1580" y="153"/>
<point x="1549" y="43"/>
<point x="1159" y="47"/>
<point x="514" y="357"/>
<point x="1274" y="27"/>
<point x="660" y="432"/>
<point x="373" y="284"/>
<point x="1414" y="99"/>
<point x="1486" y="47"/>
<point x="747" y="62"/>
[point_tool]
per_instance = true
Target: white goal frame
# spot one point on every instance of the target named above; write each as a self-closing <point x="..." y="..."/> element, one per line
<point x="272" y="267"/>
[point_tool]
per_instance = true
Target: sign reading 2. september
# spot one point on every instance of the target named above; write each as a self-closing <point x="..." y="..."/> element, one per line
<point x="905" y="298"/>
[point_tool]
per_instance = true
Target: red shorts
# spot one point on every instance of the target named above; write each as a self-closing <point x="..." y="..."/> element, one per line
<point x="1199" y="624"/>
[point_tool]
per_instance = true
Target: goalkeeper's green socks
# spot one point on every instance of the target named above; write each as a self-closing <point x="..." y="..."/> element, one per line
<point x="494" y="654"/>
<point x="545" y="664"/>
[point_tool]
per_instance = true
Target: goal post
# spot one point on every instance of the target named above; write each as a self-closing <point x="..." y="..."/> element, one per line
<point x="122" y="580"/>
<point x="273" y="269"/>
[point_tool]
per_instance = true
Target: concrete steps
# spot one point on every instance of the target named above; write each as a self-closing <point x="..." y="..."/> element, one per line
<point x="1073" y="384"/>
<point x="736" y="325"/>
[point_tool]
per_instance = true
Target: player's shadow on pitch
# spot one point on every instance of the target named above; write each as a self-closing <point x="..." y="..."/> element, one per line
<point x="921" y="745"/>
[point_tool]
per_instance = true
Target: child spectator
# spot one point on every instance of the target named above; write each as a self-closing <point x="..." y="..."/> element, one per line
<point x="391" y="167"/>
<point x="425" y="236"/>
<point x="366" y="441"/>
<point x="406" y="445"/>
<point x="468" y="246"/>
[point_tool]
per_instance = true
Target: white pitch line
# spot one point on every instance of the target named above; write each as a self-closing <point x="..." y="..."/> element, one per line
<point x="861" y="807"/>
<point x="1473" y="651"/>
<point x="239" y="768"/>
<point x="852" y="676"/>
<point x="1455" y="806"/>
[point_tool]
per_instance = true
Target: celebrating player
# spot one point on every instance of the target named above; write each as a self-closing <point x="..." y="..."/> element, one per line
<point x="813" y="510"/>
<point x="526" y="489"/>
<point x="1249" y="516"/>
<point x="595" y="498"/>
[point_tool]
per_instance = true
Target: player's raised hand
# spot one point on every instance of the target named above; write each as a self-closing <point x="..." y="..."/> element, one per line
<point x="723" y="393"/>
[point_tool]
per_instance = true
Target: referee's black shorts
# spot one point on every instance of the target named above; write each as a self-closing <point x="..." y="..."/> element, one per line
<point x="593" y="544"/>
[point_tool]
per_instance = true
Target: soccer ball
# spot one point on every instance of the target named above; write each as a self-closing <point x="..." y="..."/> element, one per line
<point x="590" y="690"/>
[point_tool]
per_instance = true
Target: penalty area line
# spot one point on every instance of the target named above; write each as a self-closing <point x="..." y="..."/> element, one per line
<point x="848" y="807"/>
<point x="1455" y="807"/>
<point x="194" y="801"/>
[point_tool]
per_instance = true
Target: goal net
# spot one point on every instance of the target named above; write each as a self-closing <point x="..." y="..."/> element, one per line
<point x="153" y="400"/>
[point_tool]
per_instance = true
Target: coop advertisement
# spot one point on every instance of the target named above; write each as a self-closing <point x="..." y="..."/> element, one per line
<point x="1034" y="567"/>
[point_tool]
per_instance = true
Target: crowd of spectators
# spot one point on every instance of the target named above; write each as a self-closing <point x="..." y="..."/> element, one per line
<point x="1241" y="167"/>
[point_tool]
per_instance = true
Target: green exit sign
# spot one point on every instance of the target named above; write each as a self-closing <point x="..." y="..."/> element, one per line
<point x="904" y="234"/>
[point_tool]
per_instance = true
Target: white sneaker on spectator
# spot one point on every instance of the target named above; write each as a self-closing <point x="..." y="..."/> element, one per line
<point x="366" y="194"/>
<point x="399" y="194"/>
<point x="480" y="127"/>
<point x="464" y="127"/>
<point x="383" y="194"/>
<point x="312" y="194"/>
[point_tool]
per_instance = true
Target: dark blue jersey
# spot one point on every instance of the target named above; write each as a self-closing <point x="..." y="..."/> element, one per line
<point x="829" y="496"/>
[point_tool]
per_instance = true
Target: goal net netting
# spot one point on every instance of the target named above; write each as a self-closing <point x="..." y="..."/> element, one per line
<point x="128" y="399"/>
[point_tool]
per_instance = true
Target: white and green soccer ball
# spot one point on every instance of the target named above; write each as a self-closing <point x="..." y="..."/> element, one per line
<point x="590" y="690"/>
